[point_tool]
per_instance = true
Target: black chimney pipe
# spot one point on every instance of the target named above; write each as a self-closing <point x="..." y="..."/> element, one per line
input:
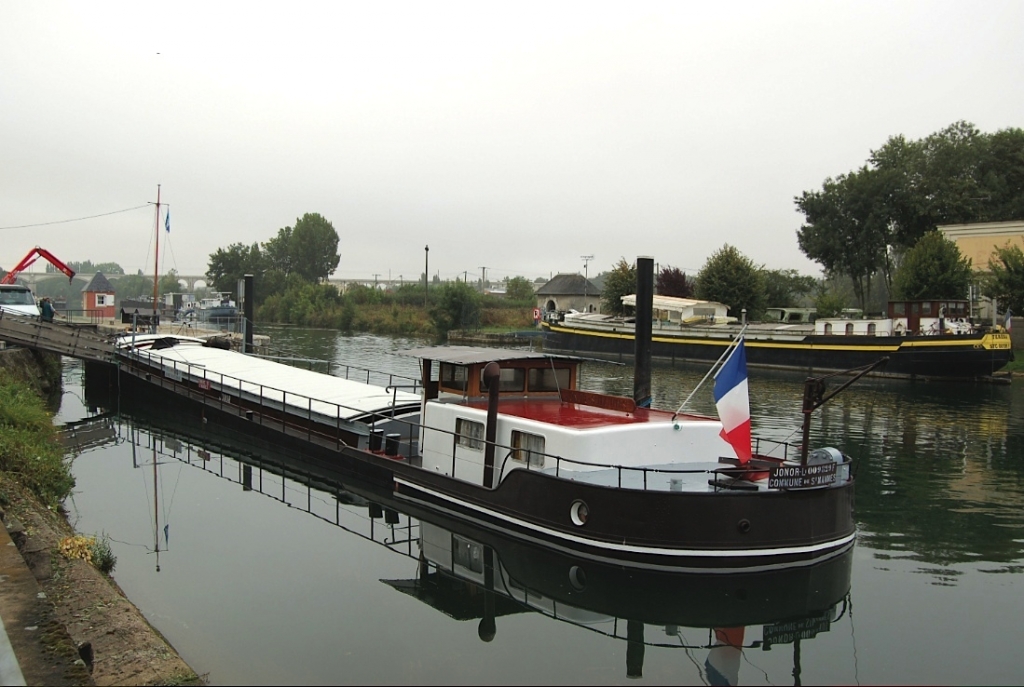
<point x="642" y="331"/>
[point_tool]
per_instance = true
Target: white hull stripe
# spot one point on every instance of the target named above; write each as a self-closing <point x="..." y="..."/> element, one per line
<point x="629" y="548"/>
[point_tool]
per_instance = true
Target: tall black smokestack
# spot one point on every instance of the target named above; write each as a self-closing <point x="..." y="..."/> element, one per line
<point x="642" y="336"/>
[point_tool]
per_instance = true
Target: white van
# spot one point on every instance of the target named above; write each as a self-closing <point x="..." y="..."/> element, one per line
<point x="18" y="300"/>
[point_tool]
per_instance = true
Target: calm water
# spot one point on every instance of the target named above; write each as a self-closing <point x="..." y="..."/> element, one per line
<point x="261" y="579"/>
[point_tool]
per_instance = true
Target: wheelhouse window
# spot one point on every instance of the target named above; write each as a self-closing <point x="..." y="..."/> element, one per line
<point x="470" y="433"/>
<point x="528" y="448"/>
<point x="546" y="379"/>
<point x="453" y="376"/>
<point x="511" y="379"/>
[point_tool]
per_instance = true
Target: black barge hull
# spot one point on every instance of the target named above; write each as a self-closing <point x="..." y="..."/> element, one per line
<point x="945" y="356"/>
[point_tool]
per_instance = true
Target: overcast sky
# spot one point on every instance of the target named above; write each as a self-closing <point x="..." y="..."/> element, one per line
<point x="513" y="136"/>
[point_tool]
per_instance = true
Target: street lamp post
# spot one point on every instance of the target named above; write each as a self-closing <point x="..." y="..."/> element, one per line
<point x="426" y="273"/>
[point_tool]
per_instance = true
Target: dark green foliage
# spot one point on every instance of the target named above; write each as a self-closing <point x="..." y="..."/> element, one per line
<point x="859" y="222"/>
<point x="829" y="304"/>
<point x="103" y="558"/>
<point x="933" y="268"/>
<point x="673" y="282"/>
<point x="621" y="281"/>
<point x="456" y="306"/>
<point x="228" y="265"/>
<point x="133" y="286"/>
<point x="169" y="283"/>
<point x="730" y="278"/>
<point x="312" y="248"/>
<point x="786" y="288"/>
<point x="29" y="448"/>
<point x="1006" y="280"/>
<point x="519" y="290"/>
<point x="86" y="267"/>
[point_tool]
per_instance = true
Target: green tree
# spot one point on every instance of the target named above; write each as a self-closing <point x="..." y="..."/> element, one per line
<point x="621" y="281"/>
<point x="847" y="229"/>
<point x="456" y="306"/>
<point x="673" y="282"/>
<point x="829" y="303"/>
<point x="309" y="249"/>
<point x="785" y="288"/>
<point x="228" y="265"/>
<point x="933" y="268"/>
<point x="133" y="286"/>
<point x="519" y="290"/>
<point x="860" y="224"/>
<point x="1005" y="281"/>
<point x="314" y="248"/>
<point x="277" y="252"/>
<point x="87" y="267"/>
<point x="169" y="283"/>
<point x="730" y="277"/>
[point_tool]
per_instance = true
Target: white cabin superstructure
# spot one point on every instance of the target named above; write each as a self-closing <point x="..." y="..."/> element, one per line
<point x="554" y="428"/>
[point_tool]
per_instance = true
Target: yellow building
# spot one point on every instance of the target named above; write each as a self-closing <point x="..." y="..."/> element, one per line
<point x="979" y="241"/>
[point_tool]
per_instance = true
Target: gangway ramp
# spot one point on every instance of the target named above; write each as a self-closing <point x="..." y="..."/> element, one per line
<point x="76" y="342"/>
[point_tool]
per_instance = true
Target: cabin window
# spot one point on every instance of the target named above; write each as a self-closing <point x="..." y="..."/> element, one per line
<point x="528" y="449"/>
<point x="546" y="379"/>
<point x="871" y="329"/>
<point x="926" y="308"/>
<point x="828" y="327"/>
<point x="453" y="376"/>
<point x="795" y="317"/>
<point x="849" y="328"/>
<point x="511" y="379"/>
<point x="471" y="434"/>
<point x="899" y="309"/>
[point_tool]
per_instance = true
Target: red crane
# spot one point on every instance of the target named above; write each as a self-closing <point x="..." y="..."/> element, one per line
<point x="32" y="256"/>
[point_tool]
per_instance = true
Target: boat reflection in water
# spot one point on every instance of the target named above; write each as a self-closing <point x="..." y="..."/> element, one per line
<point x="467" y="577"/>
<point x="474" y="574"/>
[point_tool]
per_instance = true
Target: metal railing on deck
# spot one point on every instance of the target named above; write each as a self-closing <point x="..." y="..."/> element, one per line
<point x="298" y="414"/>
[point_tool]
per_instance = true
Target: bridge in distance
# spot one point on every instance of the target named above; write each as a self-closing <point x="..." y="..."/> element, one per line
<point x="189" y="281"/>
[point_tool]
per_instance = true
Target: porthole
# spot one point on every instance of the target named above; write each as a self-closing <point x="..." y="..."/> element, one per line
<point x="578" y="512"/>
<point x="743" y="526"/>
<point x="577" y="578"/>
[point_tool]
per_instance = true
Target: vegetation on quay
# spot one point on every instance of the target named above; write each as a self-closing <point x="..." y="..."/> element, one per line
<point x="30" y="450"/>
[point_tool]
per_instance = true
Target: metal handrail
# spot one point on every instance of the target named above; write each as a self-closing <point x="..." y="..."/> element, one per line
<point x="561" y="462"/>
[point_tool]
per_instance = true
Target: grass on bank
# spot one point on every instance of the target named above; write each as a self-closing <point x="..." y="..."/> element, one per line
<point x="30" y="449"/>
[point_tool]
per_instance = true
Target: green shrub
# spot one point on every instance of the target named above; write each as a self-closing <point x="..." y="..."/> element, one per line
<point x="102" y="555"/>
<point x="30" y="450"/>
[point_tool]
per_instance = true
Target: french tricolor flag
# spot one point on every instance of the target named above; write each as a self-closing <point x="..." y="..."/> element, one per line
<point x="733" y="402"/>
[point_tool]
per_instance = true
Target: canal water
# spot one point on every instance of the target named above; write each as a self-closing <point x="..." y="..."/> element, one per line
<point x="259" y="575"/>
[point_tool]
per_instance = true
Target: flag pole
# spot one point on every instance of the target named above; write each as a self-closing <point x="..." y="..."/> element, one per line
<point x="729" y="350"/>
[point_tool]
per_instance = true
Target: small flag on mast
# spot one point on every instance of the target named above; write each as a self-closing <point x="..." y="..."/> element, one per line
<point x="733" y="401"/>
<point x="167" y="221"/>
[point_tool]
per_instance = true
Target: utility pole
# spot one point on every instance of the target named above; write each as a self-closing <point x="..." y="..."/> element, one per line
<point x="426" y="273"/>
<point x="483" y="279"/>
<point x="586" y="279"/>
